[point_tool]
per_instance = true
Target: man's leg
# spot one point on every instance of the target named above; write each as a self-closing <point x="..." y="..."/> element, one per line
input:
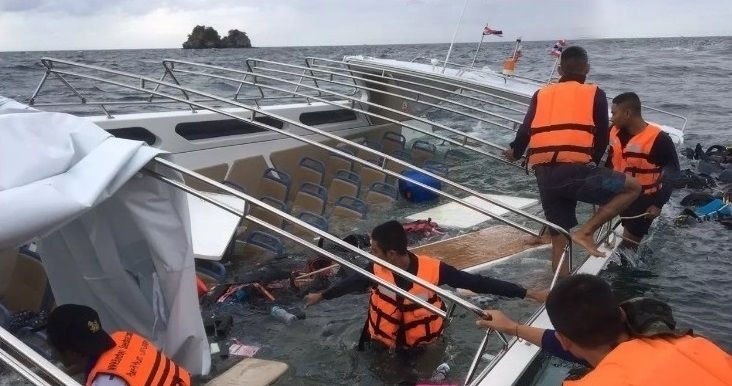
<point x="627" y="194"/>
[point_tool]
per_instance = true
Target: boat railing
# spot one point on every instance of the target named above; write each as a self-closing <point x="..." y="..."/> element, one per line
<point x="539" y="83"/>
<point x="383" y="73"/>
<point x="334" y="150"/>
<point x="465" y="143"/>
<point x="419" y="96"/>
<point x="29" y="364"/>
<point x="567" y="255"/>
<point x="463" y="68"/>
<point x="435" y="78"/>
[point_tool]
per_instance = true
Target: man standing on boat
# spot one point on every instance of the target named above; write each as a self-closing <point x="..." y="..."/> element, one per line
<point x="643" y="151"/>
<point x="395" y="322"/>
<point x="566" y="132"/>
<point x="632" y="343"/>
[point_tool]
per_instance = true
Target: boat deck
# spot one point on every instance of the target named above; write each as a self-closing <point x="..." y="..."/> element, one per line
<point x="482" y="246"/>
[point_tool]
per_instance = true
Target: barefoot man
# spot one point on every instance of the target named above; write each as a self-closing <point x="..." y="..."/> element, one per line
<point x="566" y="132"/>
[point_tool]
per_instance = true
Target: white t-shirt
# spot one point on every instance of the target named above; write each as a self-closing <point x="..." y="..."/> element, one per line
<point x="108" y="380"/>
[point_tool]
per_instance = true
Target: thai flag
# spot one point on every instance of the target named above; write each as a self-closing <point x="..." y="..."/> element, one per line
<point x="558" y="47"/>
<point x="488" y="31"/>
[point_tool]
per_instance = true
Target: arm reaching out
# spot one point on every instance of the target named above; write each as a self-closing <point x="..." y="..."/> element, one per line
<point x="498" y="321"/>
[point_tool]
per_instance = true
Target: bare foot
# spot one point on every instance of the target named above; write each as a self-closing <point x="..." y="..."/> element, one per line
<point x="587" y="242"/>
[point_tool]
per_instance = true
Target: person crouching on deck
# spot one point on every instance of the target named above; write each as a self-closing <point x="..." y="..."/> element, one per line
<point x="395" y="322"/>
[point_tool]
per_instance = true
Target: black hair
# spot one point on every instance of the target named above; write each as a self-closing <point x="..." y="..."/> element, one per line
<point x="391" y="237"/>
<point x="630" y="100"/>
<point x="584" y="309"/>
<point x="574" y="61"/>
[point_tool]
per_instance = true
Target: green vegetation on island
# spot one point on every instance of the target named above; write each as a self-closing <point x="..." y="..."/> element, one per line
<point x="207" y="37"/>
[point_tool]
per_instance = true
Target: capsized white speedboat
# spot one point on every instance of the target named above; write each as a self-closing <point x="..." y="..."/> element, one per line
<point x="298" y="152"/>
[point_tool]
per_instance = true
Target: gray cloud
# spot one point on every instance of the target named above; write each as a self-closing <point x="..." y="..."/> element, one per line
<point x="89" y="24"/>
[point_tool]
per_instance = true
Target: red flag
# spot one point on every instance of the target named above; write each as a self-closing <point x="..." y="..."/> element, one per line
<point x="488" y="31"/>
<point x="558" y="47"/>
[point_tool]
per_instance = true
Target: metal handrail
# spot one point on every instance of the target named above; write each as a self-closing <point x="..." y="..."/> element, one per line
<point x="406" y="81"/>
<point x="418" y="75"/>
<point x="419" y="84"/>
<point x="346" y="155"/>
<point x="456" y="300"/>
<point x="409" y="90"/>
<point x="412" y="73"/>
<point x="318" y="144"/>
<point x="603" y="238"/>
<point x="19" y="348"/>
<point x="465" y="68"/>
<point x="294" y="220"/>
<point x="353" y="100"/>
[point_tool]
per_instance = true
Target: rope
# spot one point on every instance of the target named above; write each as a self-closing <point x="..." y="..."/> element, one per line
<point x="644" y="214"/>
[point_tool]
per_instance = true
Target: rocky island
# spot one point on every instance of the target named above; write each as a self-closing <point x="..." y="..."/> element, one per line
<point x="207" y="37"/>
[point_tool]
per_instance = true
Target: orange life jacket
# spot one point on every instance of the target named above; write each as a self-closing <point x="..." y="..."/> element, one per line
<point x="138" y="362"/>
<point x="684" y="361"/>
<point x="395" y="321"/>
<point x="634" y="158"/>
<point x="563" y="129"/>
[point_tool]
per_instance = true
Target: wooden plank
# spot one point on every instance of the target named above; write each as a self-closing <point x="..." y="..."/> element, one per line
<point x="251" y="372"/>
<point x="481" y="246"/>
<point x="455" y="215"/>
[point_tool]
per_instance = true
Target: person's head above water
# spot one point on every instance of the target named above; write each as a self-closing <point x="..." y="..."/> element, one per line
<point x="389" y="241"/>
<point x="585" y="314"/>
<point x="574" y="62"/>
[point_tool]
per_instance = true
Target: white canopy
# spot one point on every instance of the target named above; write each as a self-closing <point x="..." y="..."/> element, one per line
<point x="110" y="237"/>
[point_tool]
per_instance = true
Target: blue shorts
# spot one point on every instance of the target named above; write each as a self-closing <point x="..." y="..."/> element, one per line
<point x="562" y="185"/>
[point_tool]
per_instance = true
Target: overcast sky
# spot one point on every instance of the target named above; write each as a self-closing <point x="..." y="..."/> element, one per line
<point x="114" y="24"/>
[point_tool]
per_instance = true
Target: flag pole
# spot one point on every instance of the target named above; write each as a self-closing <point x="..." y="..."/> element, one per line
<point x="454" y="34"/>
<point x="554" y="68"/>
<point x="482" y="36"/>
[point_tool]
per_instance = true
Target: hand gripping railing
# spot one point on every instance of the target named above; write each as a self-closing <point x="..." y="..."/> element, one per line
<point x="21" y="358"/>
<point x="58" y="72"/>
<point x="464" y="144"/>
<point x="416" y="92"/>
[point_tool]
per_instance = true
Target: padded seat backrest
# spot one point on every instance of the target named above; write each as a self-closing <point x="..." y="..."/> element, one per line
<point x="308" y="170"/>
<point x="349" y="208"/>
<point x="335" y="163"/>
<point x="310" y="198"/>
<point x="422" y="151"/>
<point x="246" y="173"/>
<point x="275" y="184"/>
<point x="345" y="183"/>
<point x="25" y="283"/>
<point x="392" y="142"/>
<point x="215" y="172"/>
<point x="381" y="194"/>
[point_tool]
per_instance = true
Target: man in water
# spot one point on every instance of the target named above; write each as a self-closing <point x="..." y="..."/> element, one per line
<point x="643" y="151"/>
<point x="396" y="322"/>
<point x="566" y="132"/>
<point x="632" y="343"/>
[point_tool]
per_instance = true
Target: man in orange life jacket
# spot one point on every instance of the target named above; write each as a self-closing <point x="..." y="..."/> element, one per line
<point x="396" y="322"/>
<point x="120" y="359"/>
<point x="634" y="343"/>
<point x="645" y="152"/>
<point x="566" y="132"/>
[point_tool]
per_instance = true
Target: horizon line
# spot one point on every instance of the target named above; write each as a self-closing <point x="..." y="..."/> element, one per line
<point x="370" y="44"/>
